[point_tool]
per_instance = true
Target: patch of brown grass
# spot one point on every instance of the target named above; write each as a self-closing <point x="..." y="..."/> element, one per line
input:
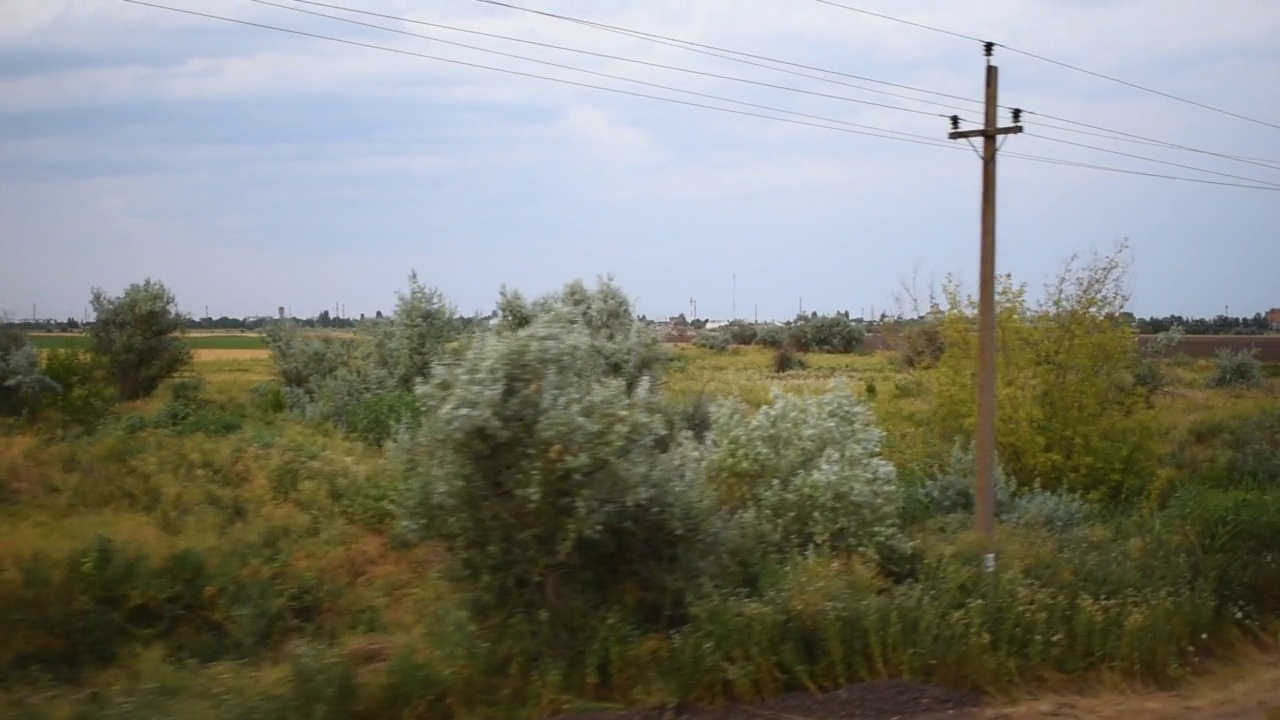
<point x="21" y="472"/>
<point x="214" y="354"/>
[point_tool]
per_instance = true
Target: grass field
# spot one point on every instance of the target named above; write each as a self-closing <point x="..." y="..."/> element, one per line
<point x="231" y="562"/>
<point x="197" y="341"/>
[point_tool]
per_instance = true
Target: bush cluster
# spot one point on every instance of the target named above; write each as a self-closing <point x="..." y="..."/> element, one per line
<point x="807" y="333"/>
<point x="1071" y="414"/>
<point x="364" y="384"/>
<point x="1236" y="368"/>
<point x="63" y="618"/>
<point x="138" y="335"/>
<point x="135" y="345"/>
<point x="712" y="340"/>
<point x="921" y="345"/>
<point x="552" y="470"/>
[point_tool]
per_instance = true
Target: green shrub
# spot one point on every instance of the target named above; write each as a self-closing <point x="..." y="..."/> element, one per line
<point x="65" y="617"/>
<point x="268" y="398"/>
<point x="712" y="340"/>
<point x="85" y="394"/>
<point x="1233" y="535"/>
<point x="1236" y="368"/>
<point x="189" y="411"/>
<point x="771" y="336"/>
<point x="1071" y="416"/>
<point x="1240" y="452"/>
<point x="785" y="360"/>
<point x="920" y="345"/>
<point x="138" y="336"/>
<point x="376" y="419"/>
<point x="741" y="332"/>
<point x="1056" y="607"/>
<point x="359" y="384"/>
<point x="545" y="466"/>
<point x="834" y="334"/>
<point x="1149" y="374"/>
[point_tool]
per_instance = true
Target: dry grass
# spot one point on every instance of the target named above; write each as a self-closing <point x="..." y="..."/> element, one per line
<point x="208" y="354"/>
<point x="1246" y="690"/>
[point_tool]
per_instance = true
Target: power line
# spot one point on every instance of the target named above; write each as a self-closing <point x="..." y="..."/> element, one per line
<point x="1055" y="62"/>
<point x="634" y="60"/>
<point x="905" y="137"/>
<point x="737" y="56"/>
<point x="1138" y="140"/>
<point x="561" y="47"/>
<point x="1153" y="91"/>
<point x="1142" y="140"/>
<point x="733" y="55"/>
<point x="922" y="26"/>
<point x="619" y="77"/>
<point x="1148" y="159"/>
<point x="1126" y="171"/>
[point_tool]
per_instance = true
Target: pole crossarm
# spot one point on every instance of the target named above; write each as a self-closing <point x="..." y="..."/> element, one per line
<point x="983" y="132"/>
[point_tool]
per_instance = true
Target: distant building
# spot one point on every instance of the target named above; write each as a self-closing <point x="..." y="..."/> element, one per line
<point x="1273" y="318"/>
<point x="935" y="313"/>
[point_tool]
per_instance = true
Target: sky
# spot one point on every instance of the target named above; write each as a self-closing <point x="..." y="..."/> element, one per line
<point x="249" y="168"/>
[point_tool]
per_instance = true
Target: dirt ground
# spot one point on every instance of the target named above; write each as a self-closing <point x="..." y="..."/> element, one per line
<point x="1245" y="694"/>
<point x="1252" y="694"/>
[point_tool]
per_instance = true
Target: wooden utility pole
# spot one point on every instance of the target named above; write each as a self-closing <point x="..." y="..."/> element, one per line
<point x="986" y="435"/>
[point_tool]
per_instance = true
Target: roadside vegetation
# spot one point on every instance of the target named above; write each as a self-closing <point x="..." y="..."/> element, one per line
<point x="556" y="511"/>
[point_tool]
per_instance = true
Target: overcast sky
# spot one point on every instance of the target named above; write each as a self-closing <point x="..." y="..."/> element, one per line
<point x="250" y="168"/>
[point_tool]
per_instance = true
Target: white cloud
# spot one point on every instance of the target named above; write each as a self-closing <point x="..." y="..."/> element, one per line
<point x="607" y="138"/>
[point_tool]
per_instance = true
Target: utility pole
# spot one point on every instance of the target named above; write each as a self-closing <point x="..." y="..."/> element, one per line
<point x="755" y="314"/>
<point x="986" y="435"/>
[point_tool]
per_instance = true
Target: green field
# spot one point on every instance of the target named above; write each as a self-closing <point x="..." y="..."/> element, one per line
<point x="246" y="341"/>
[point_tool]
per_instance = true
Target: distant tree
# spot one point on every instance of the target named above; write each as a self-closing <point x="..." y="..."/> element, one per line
<point x="137" y="336"/>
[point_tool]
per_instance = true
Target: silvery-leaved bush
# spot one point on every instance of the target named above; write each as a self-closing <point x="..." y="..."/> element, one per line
<point x="22" y="383"/>
<point x="712" y="340"/>
<point x="1052" y="510"/>
<point x="951" y="490"/>
<point x="546" y="465"/>
<point x="808" y="469"/>
<point x="343" y="380"/>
